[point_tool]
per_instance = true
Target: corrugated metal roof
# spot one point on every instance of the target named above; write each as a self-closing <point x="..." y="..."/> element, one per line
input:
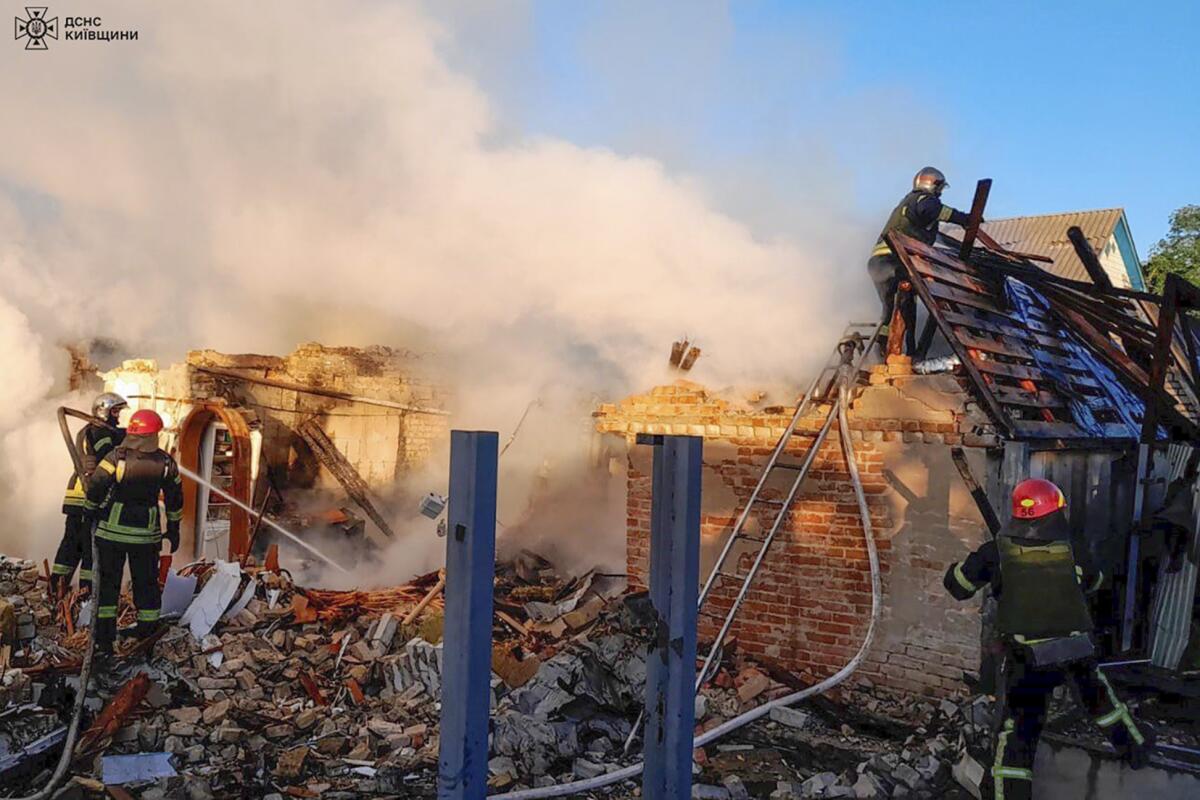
<point x="1046" y="235"/>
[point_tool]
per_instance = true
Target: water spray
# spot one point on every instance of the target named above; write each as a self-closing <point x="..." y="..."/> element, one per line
<point x="255" y="513"/>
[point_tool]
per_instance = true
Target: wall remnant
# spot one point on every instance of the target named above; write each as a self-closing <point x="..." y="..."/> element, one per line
<point x="809" y="605"/>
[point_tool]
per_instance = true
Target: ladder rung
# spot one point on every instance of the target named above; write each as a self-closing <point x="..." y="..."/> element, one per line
<point x="776" y="503"/>
<point x="703" y="613"/>
<point x="788" y="465"/>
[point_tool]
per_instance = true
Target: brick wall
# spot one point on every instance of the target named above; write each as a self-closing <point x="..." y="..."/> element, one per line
<point x="809" y="606"/>
<point x="381" y="443"/>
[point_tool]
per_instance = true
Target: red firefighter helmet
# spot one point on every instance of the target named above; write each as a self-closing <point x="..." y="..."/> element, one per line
<point x="1035" y="498"/>
<point x="144" y="422"/>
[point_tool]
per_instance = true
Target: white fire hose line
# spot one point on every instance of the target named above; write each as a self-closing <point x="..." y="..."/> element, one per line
<point x="625" y="773"/>
<point x="270" y="522"/>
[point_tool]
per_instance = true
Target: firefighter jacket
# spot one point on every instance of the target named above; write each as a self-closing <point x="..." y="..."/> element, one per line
<point x="1037" y="580"/>
<point x="918" y="215"/>
<point x="123" y="494"/>
<point x="96" y="441"/>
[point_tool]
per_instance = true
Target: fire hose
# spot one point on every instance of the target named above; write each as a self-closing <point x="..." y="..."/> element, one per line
<point x="632" y="771"/>
<point x="85" y="669"/>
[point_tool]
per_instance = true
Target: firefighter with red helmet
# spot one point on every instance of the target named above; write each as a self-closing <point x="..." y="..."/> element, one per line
<point x="1042" y="617"/>
<point x="123" y="496"/>
<point x="75" y="548"/>
<point x="917" y="215"/>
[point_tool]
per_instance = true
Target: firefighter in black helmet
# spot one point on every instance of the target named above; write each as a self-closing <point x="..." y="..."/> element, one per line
<point x="75" y="549"/>
<point x="1043" y="619"/>
<point x="917" y="215"/>
<point x="123" y="495"/>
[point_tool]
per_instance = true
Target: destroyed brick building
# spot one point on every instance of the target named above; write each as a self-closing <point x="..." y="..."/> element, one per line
<point x="268" y="687"/>
<point x="1037" y="385"/>
<point x="255" y="421"/>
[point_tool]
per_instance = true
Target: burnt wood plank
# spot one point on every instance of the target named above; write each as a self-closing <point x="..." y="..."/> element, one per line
<point x="1083" y="249"/>
<point x="1004" y="348"/>
<point x="962" y="297"/>
<point x="1107" y="349"/>
<point x="918" y="248"/>
<point x="1018" y="371"/>
<point x="1085" y="381"/>
<point x="1103" y="316"/>
<point x="969" y="319"/>
<point x="982" y="188"/>
<point x="993" y="408"/>
<point x="992" y="244"/>
<point x="1063" y="362"/>
<point x="953" y="277"/>
<point x="1019" y="396"/>
<point x="1039" y="429"/>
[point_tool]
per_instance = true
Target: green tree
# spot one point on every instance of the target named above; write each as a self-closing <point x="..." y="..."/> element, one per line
<point x="1179" y="251"/>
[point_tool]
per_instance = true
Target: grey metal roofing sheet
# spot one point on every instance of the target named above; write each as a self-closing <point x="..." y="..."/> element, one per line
<point x="1047" y="235"/>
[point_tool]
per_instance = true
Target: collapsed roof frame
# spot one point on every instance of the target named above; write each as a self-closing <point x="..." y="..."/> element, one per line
<point x="1041" y="352"/>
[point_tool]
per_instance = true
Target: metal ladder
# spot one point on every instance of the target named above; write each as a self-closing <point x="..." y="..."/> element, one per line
<point x="840" y="369"/>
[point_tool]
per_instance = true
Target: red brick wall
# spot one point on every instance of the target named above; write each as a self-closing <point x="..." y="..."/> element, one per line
<point x="810" y="604"/>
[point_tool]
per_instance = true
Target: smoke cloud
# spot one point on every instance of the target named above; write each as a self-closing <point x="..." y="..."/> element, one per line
<point x="245" y="177"/>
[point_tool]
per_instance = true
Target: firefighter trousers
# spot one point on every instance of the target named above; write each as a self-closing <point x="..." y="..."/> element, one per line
<point x="75" y="550"/>
<point x="886" y="273"/>
<point x="1022" y="715"/>
<point x="143" y="574"/>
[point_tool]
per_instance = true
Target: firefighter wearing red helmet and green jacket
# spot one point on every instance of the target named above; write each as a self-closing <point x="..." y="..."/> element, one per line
<point x="1043" y="619"/>
<point x="123" y="496"/>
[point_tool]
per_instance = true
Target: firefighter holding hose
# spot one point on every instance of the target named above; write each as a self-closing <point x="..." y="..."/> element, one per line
<point x="75" y="549"/>
<point x="1044" y="622"/>
<point x="123" y="498"/>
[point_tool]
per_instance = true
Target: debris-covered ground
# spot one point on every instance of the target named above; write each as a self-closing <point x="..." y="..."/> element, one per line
<point x="268" y="689"/>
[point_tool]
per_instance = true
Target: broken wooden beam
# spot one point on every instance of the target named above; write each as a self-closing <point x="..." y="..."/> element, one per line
<point x="959" y="457"/>
<point x="1091" y="262"/>
<point x="990" y="404"/>
<point x="321" y="392"/>
<point x="426" y="600"/>
<point x="975" y="218"/>
<point x="341" y="469"/>
<point x="114" y="715"/>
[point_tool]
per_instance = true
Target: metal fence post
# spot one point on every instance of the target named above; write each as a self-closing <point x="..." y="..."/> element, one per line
<point x="467" y="636"/>
<point x="674" y="584"/>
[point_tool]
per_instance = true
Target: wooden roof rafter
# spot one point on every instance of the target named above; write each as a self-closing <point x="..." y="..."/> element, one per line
<point x="1006" y="357"/>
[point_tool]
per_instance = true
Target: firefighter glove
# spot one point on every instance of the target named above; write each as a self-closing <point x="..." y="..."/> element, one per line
<point x="173" y="535"/>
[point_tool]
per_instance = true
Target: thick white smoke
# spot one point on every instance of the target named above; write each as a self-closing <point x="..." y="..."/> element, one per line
<point x="249" y="176"/>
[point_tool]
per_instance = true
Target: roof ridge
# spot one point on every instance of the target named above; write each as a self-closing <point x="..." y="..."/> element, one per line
<point x="1091" y="211"/>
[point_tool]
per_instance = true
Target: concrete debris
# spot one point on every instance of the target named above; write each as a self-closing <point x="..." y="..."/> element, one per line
<point x="265" y="686"/>
<point x="737" y="790"/>
<point x="751" y="683"/>
<point x="869" y="786"/>
<point x="332" y="695"/>
<point x="789" y="716"/>
<point x="817" y="785"/>
<point x="970" y="775"/>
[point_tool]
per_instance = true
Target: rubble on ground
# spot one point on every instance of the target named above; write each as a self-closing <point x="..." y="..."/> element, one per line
<point x="286" y="691"/>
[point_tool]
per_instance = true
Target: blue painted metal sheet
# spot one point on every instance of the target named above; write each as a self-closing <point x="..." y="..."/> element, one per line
<point x="1116" y="398"/>
<point x="674" y="582"/>
<point x="467" y="637"/>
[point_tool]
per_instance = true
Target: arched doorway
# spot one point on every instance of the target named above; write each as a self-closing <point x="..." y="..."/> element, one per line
<point x="196" y="435"/>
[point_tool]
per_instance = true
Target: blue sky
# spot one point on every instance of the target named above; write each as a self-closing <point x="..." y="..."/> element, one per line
<point x="779" y="107"/>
